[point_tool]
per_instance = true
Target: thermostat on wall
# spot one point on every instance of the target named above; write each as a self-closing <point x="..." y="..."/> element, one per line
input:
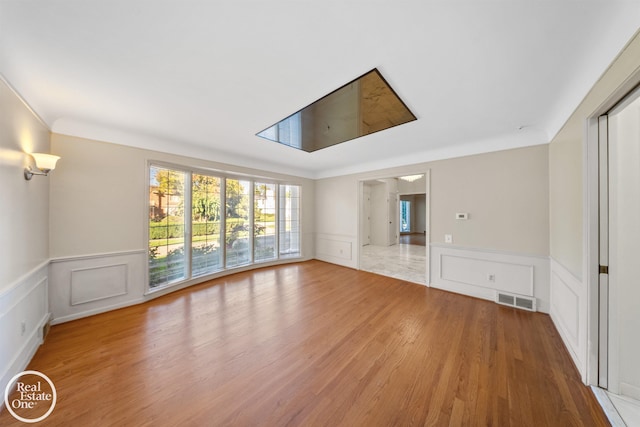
<point x="462" y="215"/>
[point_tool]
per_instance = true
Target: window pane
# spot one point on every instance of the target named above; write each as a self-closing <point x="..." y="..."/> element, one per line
<point x="264" y="221"/>
<point x="405" y="216"/>
<point x="221" y="219"/>
<point x="206" y="251"/>
<point x="237" y="224"/>
<point x="289" y="218"/>
<point x="166" y="226"/>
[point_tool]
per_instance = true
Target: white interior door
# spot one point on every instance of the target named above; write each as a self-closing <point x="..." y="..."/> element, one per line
<point x="366" y="215"/>
<point x="603" y="289"/>
<point x="623" y="373"/>
<point x="393" y="208"/>
<point x="378" y="222"/>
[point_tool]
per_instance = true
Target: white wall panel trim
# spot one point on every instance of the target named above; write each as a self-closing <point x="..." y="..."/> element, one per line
<point x="24" y="294"/>
<point x="87" y="285"/>
<point x="488" y="251"/>
<point x="479" y="273"/>
<point x="101" y="309"/>
<point x="83" y="286"/>
<point x="569" y="319"/>
<point x="98" y="256"/>
<point x="519" y="277"/>
<point x="97" y="283"/>
<point x="24" y="310"/>
<point x="337" y="249"/>
<point x="24" y="278"/>
<point x="569" y="312"/>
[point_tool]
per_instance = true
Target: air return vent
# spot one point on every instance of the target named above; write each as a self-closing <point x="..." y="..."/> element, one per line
<point x="518" y="301"/>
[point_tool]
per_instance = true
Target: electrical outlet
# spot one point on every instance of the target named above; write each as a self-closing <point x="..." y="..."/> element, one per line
<point x="23" y="327"/>
<point x="448" y="238"/>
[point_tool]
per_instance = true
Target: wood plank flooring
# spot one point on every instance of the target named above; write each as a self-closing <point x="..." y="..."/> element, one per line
<point x="313" y="344"/>
<point x="418" y="239"/>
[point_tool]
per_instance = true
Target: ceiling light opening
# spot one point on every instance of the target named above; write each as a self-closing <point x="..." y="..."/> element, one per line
<point x="363" y="106"/>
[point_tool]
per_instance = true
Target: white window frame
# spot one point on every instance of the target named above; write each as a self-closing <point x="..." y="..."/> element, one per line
<point x="223" y="176"/>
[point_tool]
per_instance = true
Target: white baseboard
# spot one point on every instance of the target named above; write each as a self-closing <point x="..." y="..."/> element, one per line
<point x="94" y="311"/>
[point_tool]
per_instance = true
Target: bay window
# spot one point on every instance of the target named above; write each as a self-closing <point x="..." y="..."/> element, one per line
<point x="232" y="222"/>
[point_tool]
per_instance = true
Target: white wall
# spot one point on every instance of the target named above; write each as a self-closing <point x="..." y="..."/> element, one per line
<point x="98" y="220"/>
<point x="24" y="227"/>
<point x="336" y="210"/>
<point x="412" y="187"/>
<point x="24" y="205"/>
<point x="505" y="194"/>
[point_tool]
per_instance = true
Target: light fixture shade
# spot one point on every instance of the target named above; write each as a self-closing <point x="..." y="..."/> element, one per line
<point x="411" y="178"/>
<point x="45" y="161"/>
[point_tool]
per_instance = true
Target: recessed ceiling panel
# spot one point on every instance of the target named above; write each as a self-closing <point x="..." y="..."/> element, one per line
<point x="361" y="107"/>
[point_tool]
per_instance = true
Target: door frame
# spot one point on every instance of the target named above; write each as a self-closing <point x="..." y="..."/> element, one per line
<point x="609" y="332"/>
<point x="393" y="232"/>
<point x="427" y="190"/>
<point x="591" y="223"/>
<point x="365" y="223"/>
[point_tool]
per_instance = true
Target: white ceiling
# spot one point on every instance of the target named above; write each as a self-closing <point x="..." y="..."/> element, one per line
<point x="201" y="78"/>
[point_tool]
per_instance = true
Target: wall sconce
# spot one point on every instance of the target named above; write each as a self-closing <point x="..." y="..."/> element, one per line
<point x="45" y="163"/>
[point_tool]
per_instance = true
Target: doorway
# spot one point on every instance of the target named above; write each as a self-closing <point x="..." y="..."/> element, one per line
<point x="413" y="228"/>
<point x="393" y="227"/>
<point x="619" y="271"/>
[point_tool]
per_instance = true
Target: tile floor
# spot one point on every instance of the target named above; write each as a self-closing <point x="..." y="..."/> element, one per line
<point x="405" y="262"/>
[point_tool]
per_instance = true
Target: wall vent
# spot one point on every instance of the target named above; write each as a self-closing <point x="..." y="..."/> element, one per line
<point x="44" y="331"/>
<point x="518" y="301"/>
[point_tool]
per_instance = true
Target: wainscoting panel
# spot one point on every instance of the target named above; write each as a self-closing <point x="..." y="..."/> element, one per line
<point x="336" y="249"/>
<point x="86" y="285"/>
<point x="569" y="313"/>
<point x="480" y="273"/>
<point x="96" y="283"/>
<point x="516" y="278"/>
<point x="24" y="310"/>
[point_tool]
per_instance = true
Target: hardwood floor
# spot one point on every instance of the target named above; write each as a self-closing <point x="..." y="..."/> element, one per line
<point x="418" y="239"/>
<point x="313" y="344"/>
